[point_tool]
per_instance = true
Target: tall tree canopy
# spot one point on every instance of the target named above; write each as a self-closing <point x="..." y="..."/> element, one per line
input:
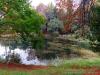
<point x="65" y="12"/>
<point x="53" y="22"/>
<point x="18" y="16"/>
<point x="95" y="21"/>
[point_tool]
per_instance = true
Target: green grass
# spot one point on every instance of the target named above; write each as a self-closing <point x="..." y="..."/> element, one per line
<point x="51" y="71"/>
<point x="81" y="62"/>
<point x="89" y="62"/>
<point x="63" y="69"/>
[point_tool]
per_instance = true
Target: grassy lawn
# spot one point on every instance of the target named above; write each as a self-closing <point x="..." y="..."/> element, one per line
<point x="53" y="71"/>
<point x="89" y="62"/>
<point x="69" y="67"/>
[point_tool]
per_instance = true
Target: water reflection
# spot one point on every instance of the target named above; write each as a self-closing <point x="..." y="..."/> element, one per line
<point x="23" y="55"/>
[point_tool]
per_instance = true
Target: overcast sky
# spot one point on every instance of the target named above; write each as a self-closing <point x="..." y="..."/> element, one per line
<point x="46" y="2"/>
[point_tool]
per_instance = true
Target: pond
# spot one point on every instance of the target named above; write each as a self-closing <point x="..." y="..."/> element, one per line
<point x="23" y="55"/>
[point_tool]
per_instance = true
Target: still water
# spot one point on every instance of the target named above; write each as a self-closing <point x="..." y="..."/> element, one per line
<point x="23" y="55"/>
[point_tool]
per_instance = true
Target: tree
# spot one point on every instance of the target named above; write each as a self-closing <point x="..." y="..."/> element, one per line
<point x="55" y="24"/>
<point x="95" y="27"/>
<point x="41" y="8"/>
<point x="65" y="12"/>
<point x="25" y="21"/>
<point x="95" y="21"/>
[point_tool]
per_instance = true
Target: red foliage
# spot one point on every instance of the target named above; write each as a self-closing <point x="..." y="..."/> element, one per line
<point x="66" y="17"/>
<point x="70" y="16"/>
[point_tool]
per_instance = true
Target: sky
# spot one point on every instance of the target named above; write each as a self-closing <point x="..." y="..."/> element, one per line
<point x="46" y="2"/>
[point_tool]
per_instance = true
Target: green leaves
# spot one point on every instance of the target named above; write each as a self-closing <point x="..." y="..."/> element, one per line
<point x="95" y="23"/>
<point x="23" y="19"/>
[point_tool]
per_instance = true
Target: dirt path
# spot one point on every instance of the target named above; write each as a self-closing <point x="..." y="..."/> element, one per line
<point x="88" y="70"/>
<point x="21" y="66"/>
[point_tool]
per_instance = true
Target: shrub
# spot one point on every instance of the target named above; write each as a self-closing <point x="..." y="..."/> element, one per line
<point x="13" y="58"/>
